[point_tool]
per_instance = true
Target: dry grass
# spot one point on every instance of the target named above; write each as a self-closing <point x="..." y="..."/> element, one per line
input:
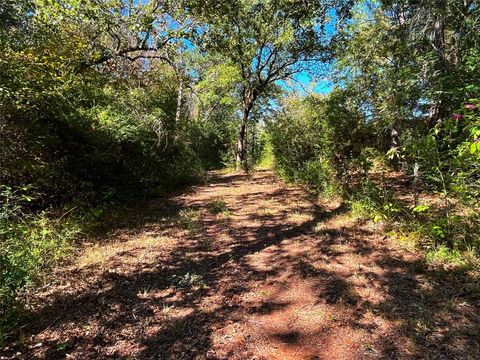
<point x="98" y="254"/>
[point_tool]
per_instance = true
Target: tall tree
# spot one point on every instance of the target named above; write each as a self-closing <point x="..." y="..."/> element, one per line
<point x="267" y="41"/>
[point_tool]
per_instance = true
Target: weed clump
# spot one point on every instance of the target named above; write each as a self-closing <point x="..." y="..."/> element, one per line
<point x="218" y="207"/>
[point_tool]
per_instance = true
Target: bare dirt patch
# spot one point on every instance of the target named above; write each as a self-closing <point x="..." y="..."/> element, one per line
<point x="246" y="267"/>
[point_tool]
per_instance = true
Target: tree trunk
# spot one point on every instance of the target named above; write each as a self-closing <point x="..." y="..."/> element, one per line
<point x="248" y="99"/>
<point x="178" y="111"/>
<point x="416" y="181"/>
<point x="253" y="146"/>
<point x="437" y="107"/>
<point x="241" y="156"/>
<point x="394" y="137"/>
<point x="179" y="102"/>
<point x="397" y="162"/>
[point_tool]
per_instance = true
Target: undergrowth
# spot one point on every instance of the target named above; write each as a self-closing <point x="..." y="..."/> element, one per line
<point x="368" y="200"/>
<point x="218" y="207"/>
<point x="189" y="219"/>
<point x="30" y="245"/>
<point x="33" y="240"/>
<point x="447" y="238"/>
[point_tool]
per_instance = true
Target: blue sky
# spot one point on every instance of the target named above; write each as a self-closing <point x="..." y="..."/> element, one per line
<point x="321" y="86"/>
<point x="320" y="82"/>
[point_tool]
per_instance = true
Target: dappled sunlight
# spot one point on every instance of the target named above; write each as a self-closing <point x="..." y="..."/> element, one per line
<point x="299" y="281"/>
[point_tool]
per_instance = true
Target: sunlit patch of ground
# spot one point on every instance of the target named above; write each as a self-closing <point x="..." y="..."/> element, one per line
<point x="98" y="254"/>
<point x="299" y="217"/>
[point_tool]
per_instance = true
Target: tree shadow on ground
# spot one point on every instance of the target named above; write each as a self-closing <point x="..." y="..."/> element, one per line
<point x="163" y="314"/>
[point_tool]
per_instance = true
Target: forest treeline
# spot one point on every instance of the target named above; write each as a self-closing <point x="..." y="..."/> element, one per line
<point x="102" y="101"/>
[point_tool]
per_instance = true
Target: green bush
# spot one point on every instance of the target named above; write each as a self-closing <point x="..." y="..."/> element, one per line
<point x="443" y="255"/>
<point x="29" y="245"/>
<point x="317" y="140"/>
<point x="368" y="200"/>
<point x="218" y="207"/>
<point x="319" y="176"/>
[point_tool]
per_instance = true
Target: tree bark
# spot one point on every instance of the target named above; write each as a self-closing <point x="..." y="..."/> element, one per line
<point x="178" y="112"/>
<point x="248" y="99"/>
<point x="416" y="181"/>
<point x="241" y="155"/>
<point x="398" y="163"/>
<point x="437" y="111"/>
<point x="394" y="137"/>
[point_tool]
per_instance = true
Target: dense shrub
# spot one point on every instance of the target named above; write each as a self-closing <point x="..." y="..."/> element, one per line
<point x="317" y="139"/>
<point x="317" y="142"/>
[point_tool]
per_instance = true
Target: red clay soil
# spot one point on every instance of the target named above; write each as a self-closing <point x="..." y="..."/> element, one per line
<point x="246" y="267"/>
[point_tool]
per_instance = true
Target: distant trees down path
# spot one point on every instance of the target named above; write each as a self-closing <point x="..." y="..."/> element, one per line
<point x="267" y="42"/>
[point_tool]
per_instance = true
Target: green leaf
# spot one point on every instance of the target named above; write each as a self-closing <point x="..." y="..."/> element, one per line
<point x="474" y="148"/>
<point x="421" y="208"/>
